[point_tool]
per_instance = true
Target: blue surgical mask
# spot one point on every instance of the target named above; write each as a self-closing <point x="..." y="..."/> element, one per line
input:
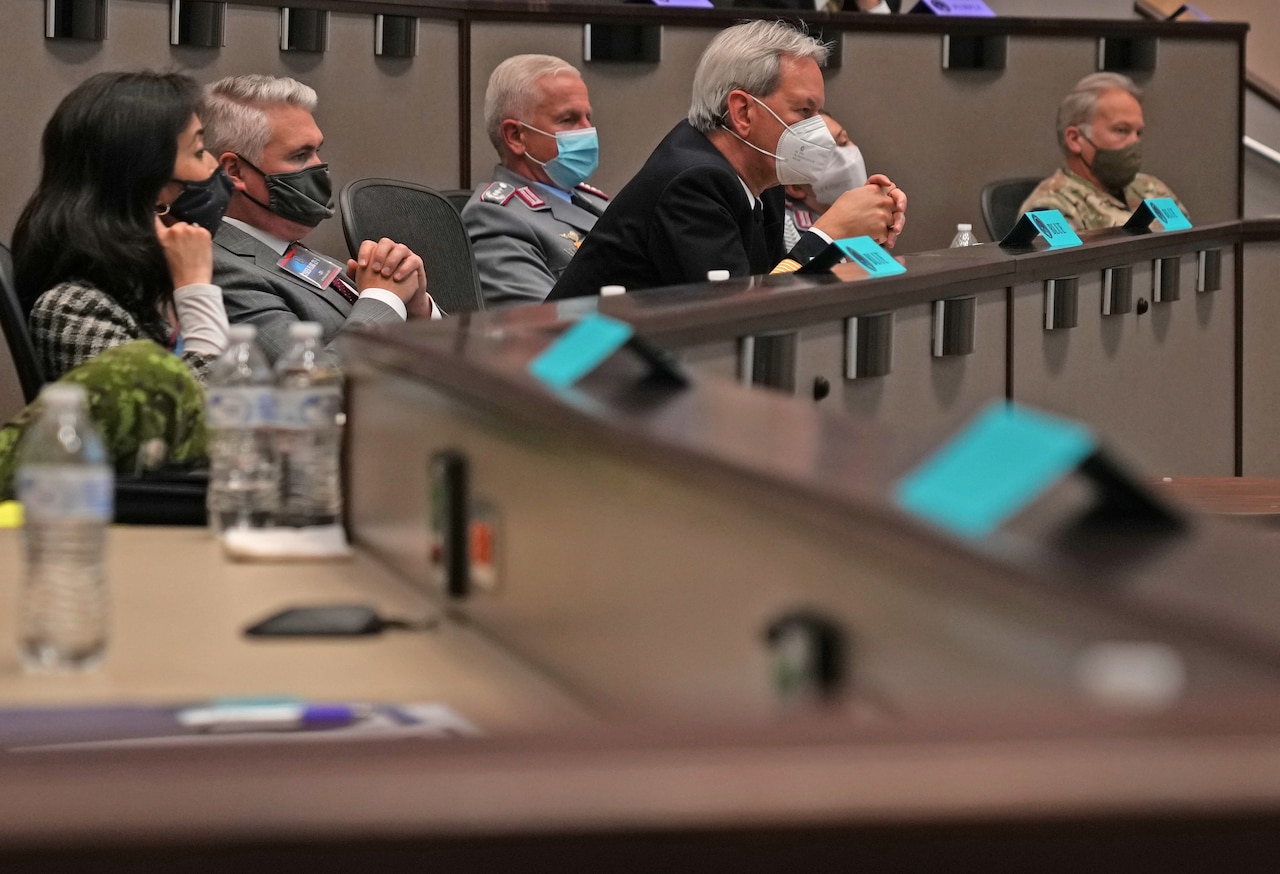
<point x="578" y="155"/>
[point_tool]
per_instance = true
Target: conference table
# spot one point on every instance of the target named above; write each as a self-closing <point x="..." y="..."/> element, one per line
<point x="179" y="608"/>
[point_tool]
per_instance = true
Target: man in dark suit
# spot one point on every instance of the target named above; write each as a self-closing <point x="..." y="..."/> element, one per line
<point x="708" y="197"/>
<point x="263" y="133"/>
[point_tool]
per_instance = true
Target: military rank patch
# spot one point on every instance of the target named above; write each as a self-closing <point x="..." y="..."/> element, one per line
<point x="530" y="197"/>
<point x="804" y="219"/>
<point x="591" y="189"/>
<point x="498" y="192"/>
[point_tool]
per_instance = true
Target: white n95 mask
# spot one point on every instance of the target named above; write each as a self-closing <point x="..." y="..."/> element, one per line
<point x="845" y="170"/>
<point x="803" y="149"/>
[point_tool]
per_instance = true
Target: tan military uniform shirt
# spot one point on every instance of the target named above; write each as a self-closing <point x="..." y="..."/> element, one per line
<point x="1087" y="207"/>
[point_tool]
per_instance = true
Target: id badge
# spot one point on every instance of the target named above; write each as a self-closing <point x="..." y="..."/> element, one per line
<point x="308" y="266"/>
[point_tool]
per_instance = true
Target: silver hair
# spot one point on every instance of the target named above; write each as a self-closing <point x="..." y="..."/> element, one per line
<point x="233" y="116"/>
<point x="513" y="90"/>
<point x="747" y="57"/>
<point x="1076" y="109"/>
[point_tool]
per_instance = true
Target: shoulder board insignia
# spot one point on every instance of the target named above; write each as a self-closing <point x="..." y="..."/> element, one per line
<point x="591" y="189"/>
<point x="498" y="192"/>
<point x="530" y="197"/>
<point x="804" y="219"/>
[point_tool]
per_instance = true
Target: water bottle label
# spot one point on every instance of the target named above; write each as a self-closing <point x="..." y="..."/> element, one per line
<point x="240" y="407"/>
<point x="308" y="408"/>
<point x="49" y="491"/>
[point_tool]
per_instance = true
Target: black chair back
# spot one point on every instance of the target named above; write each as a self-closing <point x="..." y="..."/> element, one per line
<point x="14" y="323"/>
<point x="458" y="197"/>
<point x="1001" y="201"/>
<point x="425" y="221"/>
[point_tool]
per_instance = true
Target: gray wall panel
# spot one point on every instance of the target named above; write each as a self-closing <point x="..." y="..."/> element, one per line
<point x="927" y="395"/>
<point x="1261" y="437"/>
<point x="1157" y="387"/>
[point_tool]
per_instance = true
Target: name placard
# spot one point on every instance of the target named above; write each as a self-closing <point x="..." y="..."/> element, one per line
<point x="580" y="350"/>
<point x="961" y="8"/>
<point x="1047" y="223"/>
<point x="1159" y="209"/>
<point x="867" y="254"/>
<point x="1001" y="462"/>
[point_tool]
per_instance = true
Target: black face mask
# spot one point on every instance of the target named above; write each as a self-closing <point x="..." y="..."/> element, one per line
<point x="203" y="203"/>
<point x="304" y="196"/>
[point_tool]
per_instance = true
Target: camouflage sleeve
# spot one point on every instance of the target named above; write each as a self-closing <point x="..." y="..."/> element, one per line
<point x="139" y="394"/>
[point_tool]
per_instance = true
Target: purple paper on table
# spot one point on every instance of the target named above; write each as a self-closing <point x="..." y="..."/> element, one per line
<point x="961" y="8"/>
<point x="698" y="4"/>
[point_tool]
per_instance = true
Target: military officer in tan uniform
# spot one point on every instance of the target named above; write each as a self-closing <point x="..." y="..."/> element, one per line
<point x="528" y="221"/>
<point x="1100" y="131"/>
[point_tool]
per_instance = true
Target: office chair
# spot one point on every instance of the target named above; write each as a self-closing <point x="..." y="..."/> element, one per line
<point x="1000" y="203"/>
<point x="425" y="221"/>
<point x="458" y="197"/>
<point x="14" y="323"/>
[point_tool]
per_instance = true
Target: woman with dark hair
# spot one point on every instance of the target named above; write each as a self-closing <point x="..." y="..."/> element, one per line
<point x="115" y="245"/>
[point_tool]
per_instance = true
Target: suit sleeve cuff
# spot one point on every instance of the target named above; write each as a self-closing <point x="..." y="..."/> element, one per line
<point x="391" y="300"/>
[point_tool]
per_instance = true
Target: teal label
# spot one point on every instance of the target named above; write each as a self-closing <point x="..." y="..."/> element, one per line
<point x="867" y="254"/>
<point x="1047" y="223"/>
<point x="1165" y="210"/>
<point x="1002" y="461"/>
<point x="1054" y="228"/>
<point x="580" y="350"/>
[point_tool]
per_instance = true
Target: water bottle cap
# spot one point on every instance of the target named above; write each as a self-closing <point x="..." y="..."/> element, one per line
<point x="306" y="330"/>
<point x="63" y="394"/>
<point x="242" y="333"/>
<point x="610" y="290"/>
<point x="964" y="228"/>
<point x="717" y="275"/>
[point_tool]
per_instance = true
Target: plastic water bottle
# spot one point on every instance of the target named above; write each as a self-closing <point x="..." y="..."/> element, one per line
<point x="240" y="411"/>
<point x="964" y="237"/>
<point x="67" y="490"/>
<point x="308" y="431"/>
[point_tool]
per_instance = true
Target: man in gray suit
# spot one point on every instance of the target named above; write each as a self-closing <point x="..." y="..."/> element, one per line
<point x="263" y="133"/>
<point x="528" y="221"/>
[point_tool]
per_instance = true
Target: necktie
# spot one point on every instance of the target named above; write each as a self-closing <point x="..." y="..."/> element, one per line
<point x="758" y="212"/>
<point x="344" y="288"/>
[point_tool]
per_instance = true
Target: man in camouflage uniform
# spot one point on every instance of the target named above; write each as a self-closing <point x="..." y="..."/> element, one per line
<point x="527" y="223"/>
<point x="1100" y="131"/>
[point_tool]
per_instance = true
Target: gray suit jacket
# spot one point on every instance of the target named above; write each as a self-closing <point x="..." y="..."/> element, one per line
<point x="257" y="290"/>
<point x="521" y="250"/>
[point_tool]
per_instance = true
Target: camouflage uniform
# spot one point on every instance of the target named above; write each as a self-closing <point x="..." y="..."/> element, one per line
<point x="138" y="392"/>
<point x="1088" y="208"/>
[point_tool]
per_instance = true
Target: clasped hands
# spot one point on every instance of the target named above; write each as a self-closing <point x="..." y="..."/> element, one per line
<point x="877" y="210"/>
<point x="394" y="267"/>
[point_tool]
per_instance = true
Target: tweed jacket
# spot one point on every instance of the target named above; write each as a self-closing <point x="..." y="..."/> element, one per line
<point x="74" y="322"/>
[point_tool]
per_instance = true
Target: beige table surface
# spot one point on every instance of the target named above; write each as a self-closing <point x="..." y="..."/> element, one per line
<point x="178" y="607"/>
